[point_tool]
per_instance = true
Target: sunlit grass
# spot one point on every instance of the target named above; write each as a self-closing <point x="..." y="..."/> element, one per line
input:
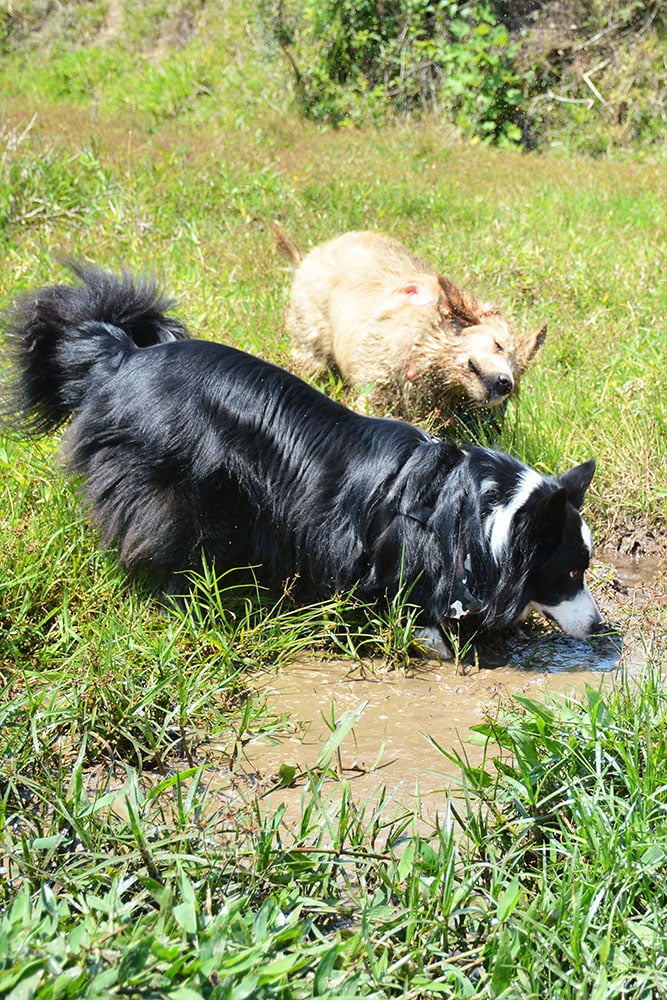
<point x="556" y="885"/>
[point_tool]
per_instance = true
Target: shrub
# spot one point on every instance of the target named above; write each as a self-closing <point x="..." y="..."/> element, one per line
<point x="360" y="62"/>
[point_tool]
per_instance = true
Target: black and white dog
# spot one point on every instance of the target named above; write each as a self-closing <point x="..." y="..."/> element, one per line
<point x="190" y="449"/>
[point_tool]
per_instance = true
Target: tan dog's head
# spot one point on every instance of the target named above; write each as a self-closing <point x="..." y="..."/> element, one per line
<point x="471" y="354"/>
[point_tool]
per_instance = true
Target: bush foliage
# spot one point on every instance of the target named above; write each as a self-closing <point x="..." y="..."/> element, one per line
<point x="357" y="62"/>
<point x="506" y="73"/>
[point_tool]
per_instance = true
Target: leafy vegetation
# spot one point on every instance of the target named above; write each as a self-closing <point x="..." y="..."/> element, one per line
<point x="586" y="76"/>
<point x="139" y="854"/>
<point x="524" y="74"/>
<point x="356" y="63"/>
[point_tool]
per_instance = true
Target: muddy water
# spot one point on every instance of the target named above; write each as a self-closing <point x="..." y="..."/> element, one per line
<point x="389" y="745"/>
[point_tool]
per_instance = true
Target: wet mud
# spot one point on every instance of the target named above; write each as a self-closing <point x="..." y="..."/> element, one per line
<point x="403" y="714"/>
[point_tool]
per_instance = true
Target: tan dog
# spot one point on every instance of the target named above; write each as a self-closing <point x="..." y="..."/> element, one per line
<point x="409" y="339"/>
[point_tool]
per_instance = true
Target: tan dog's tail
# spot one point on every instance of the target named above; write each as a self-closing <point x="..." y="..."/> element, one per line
<point x="285" y="245"/>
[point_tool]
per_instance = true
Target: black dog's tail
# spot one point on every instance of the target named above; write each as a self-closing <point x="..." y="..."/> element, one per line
<point x="57" y="334"/>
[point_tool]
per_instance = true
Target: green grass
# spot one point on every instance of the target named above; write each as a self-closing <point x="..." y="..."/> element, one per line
<point x="136" y="856"/>
<point x="174" y="890"/>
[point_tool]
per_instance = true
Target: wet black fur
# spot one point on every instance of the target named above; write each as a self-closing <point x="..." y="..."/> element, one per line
<point x="188" y="448"/>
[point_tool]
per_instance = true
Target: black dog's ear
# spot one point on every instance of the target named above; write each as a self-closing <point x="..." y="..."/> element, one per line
<point x="549" y="520"/>
<point x="576" y="481"/>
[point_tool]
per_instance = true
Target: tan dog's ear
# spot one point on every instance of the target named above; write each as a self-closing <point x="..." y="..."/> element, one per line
<point x="460" y="305"/>
<point x="529" y="347"/>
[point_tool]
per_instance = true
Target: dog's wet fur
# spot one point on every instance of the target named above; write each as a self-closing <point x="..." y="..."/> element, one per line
<point x="408" y="339"/>
<point x="189" y="449"/>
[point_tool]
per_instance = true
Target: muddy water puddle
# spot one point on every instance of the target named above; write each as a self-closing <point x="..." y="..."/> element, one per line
<point x="399" y="710"/>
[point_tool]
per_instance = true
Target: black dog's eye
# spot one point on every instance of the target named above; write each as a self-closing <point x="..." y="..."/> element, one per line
<point x="575" y="574"/>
